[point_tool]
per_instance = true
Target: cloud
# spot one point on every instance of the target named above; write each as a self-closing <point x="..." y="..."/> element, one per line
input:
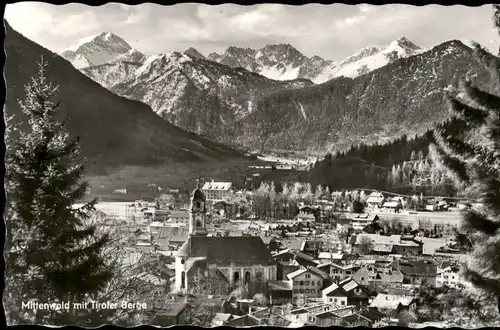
<point x="27" y="17"/>
<point x="76" y="25"/>
<point x="331" y="31"/>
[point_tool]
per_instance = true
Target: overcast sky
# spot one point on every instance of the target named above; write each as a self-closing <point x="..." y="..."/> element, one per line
<point x="330" y="31"/>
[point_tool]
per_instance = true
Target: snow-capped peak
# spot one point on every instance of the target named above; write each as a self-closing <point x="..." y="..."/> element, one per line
<point x="101" y="38"/>
<point x="95" y="50"/>
<point x="132" y="55"/>
<point x="369" y="59"/>
<point x="194" y="53"/>
<point x="405" y="44"/>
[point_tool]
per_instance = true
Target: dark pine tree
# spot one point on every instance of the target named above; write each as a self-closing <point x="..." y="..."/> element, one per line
<point x="52" y="254"/>
<point x="468" y="146"/>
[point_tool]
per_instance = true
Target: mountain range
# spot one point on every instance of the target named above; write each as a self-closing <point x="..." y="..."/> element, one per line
<point x="373" y="96"/>
<point x="284" y="62"/>
<point x="114" y="131"/>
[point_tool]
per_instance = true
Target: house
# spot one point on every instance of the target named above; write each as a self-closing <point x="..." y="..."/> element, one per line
<point x="173" y="314"/>
<point x="373" y="228"/>
<point x="161" y="215"/>
<point x="373" y="316"/>
<point x="408" y="248"/>
<point x="364" y="275"/>
<point x="179" y="216"/>
<point x="289" y="255"/>
<point x="286" y="267"/>
<point x="312" y="247"/>
<point x="347" y="292"/>
<point x="293" y="244"/>
<point x="328" y="315"/>
<point x="375" y="200"/>
<point x="327" y="319"/>
<point x="394" y="302"/>
<point x="360" y="221"/>
<point x="334" y="294"/>
<point x="308" y="281"/>
<point x="270" y="316"/>
<point x="299" y="315"/>
<point x="338" y="272"/>
<point x="436" y="204"/>
<point x="325" y="257"/>
<point x="355" y="320"/>
<point x="343" y="224"/>
<point x="388" y="277"/>
<point x="448" y="276"/>
<point x="304" y="216"/>
<point x="221" y="319"/>
<point x="246" y="320"/>
<point x="385" y="245"/>
<point x="280" y="292"/>
<point x="431" y="207"/>
<point x="431" y="245"/>
<point x="416" y="272"/>
<point x="216" y="191"/>
<point x="392" y="206"/>
<point x="171" y="237"/>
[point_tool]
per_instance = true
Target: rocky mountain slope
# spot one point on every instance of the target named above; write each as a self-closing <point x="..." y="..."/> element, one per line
<point x="284" y="62"/>
<point x="227" y="103"/>
<point x="114" y="131"/>
<point x="405" y="96"/>
<point x="368" y="59"/>
<point x="198" y="95"/>
<point x="278" y="62"/>
<point x="95" y="50"/>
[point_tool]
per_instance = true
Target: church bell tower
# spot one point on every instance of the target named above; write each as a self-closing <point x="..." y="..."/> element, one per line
<point x="198" y="212"/>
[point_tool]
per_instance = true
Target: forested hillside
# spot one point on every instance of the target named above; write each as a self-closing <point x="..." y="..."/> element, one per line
<point x="406" y="96"/>
<point x="400" y="166"/>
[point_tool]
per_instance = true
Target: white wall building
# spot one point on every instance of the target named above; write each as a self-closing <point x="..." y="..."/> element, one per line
<point x="447" y="276"/>
<point x="216" y="191"/>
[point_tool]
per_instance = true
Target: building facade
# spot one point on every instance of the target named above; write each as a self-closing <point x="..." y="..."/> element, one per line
<point x="216" y="191"/>
<point x="214" y="264"/>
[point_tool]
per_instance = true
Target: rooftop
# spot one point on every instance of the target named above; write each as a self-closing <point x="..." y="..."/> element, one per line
<point x="243" y="250"/>
<point x="303" y="270"/>
<point x="179" y="214"/>
<point x="217" y="186"/>
<point x="280" y="285"/>
<point x="390" y="301"/>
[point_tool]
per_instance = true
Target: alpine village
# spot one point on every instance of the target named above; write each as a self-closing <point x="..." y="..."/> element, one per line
<point x="255" y="187"/>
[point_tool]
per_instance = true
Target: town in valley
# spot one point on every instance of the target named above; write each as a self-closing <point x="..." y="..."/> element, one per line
<point x="329" y="262"/>
<point x="243" y="166"/>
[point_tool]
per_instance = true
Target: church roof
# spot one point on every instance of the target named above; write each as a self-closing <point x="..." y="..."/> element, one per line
<point x="243" y="250"/>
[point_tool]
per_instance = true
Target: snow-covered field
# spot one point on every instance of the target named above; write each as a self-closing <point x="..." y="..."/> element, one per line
<point x="287" y="160"/>
<point x="445" y="217"/>
<point x="117" y="209"/>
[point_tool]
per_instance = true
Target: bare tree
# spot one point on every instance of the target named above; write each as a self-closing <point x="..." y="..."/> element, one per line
<point x="129" y="282"/>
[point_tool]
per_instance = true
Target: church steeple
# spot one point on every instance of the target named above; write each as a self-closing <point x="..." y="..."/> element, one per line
<point x="198" y="212"/>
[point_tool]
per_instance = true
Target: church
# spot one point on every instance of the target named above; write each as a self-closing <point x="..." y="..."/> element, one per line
<point x="218" y="265"/>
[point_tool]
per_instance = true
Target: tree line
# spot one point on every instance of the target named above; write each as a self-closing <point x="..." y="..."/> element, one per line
<point x="402" y="166"/>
